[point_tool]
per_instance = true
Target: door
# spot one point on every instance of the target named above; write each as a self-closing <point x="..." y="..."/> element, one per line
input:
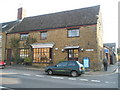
<point x="61" y="68"/>
<point x="72" y="54"/>
<point x="9" y="55"/>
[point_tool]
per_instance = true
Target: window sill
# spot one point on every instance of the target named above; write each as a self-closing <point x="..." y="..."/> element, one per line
<point x="73" y="37"/>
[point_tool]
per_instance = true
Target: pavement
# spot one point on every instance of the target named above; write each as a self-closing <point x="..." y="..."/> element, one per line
<point x="111" y="69"/>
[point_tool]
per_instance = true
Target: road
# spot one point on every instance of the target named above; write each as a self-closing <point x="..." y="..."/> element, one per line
<point x="14" y="78"/>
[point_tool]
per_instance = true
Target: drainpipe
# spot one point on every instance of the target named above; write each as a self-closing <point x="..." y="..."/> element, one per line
<point x="5" y="56"/>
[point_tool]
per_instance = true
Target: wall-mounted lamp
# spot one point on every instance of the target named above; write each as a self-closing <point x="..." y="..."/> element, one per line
<point x="82" y="49"/>
<point x="63" y="50"/>
<point x="56" y="48"/>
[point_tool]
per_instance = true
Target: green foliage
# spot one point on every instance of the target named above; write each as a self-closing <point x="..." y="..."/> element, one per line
<point x="14" y="43"/>
<point x="20" y="61"/>
<point x="29" y="41"/>
<point x="27" y="60"/>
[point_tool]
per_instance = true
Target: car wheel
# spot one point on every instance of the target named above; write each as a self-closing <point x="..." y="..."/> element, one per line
<point x="3" y="67"/>
<point x="74" y="74"/>
<point x="50" y="72"/>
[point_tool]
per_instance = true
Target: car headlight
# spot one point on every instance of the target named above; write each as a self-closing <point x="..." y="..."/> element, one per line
<point x="81" y="68"/>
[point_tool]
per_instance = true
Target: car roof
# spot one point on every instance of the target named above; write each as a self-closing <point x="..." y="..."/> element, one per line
<point x="69" y="61"/>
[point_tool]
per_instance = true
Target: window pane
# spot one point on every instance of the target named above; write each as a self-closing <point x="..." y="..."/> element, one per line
<point x="42" y="55"/>
<point x="71" y="64"/>
<point x="70" y="53"/>
<point x="73" y="33"/>
<point x="24" y="36"/>
<point x="43" y="35"/>
<point x="75" y="53"/>
<point x="62" y="64"/>
<point x="23" y="53"/>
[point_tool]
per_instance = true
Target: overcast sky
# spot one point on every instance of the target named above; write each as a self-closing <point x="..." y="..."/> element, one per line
<point x="109" y="10"/>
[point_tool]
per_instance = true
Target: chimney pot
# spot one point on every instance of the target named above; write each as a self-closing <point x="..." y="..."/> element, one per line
<point x="21" y="13"/>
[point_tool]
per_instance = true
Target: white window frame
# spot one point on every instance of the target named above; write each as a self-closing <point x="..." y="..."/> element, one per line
<point x="24" y="36"/>
<point x="74" y="33"/>
<point x="43" y="35"/>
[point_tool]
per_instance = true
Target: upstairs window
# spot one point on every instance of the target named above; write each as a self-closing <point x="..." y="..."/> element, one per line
<point x="24" y="36"/>
<point x="73" y="32"/>
<point x="43" y="35"/>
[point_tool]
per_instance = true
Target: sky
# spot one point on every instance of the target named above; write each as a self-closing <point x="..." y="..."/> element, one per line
<point x="109" y="10"/>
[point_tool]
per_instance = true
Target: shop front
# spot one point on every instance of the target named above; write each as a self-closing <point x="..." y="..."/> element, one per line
<point x="42" y="52"/>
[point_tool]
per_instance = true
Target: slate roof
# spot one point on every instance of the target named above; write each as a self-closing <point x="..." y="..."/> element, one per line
<point x="84" y="16"/>
<point x="8" y="25"/>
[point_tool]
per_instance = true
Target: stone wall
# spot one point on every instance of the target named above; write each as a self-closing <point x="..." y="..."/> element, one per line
<point x="88" y="40"/>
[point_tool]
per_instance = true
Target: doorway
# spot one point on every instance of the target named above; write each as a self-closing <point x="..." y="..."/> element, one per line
<point x="73" y="54"/>
<point x="9" y="56"/>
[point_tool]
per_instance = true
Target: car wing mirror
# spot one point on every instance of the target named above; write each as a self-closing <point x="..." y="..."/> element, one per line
<point x="55" y="65"/>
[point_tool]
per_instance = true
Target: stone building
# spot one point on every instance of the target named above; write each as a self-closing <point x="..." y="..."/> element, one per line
<point x="67" y="35"/>
<point x="112" y="58"/>
<point x="6" y="27"/>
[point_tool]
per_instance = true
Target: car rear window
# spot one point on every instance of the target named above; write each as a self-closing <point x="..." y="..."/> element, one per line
<point x="79" y="64"/>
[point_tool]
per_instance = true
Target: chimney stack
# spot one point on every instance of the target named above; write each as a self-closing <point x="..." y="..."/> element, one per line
<point x="21" y="13"/>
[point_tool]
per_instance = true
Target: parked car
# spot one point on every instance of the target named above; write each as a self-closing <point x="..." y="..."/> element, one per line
<point x="5" y="88"/>
<point x="2" y="64"/>
<point x="72" y="68"/>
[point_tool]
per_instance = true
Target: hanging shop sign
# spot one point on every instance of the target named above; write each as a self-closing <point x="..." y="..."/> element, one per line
<point x="89" y="50"/>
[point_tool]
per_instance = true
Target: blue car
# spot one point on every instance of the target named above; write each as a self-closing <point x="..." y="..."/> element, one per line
<point x="72" y="68"/>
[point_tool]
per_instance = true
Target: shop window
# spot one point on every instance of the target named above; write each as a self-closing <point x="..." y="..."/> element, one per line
<point x="24" y="53"/>
<point x="74" y="33"/>
<point x="42" y="55"/>
<point x="23" y="36"/>
<point x="43" y="35"/>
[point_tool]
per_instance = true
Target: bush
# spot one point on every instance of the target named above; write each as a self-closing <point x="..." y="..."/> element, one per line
<point x="28" y="61"/>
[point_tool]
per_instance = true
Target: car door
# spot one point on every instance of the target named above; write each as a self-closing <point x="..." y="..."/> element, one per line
<point x="61" y="68"/>
<point x="71" y="66"/>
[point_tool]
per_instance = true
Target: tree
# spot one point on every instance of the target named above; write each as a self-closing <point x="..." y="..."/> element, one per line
<point x="27" y="44"/>
<point x="14" y="43"/>
<point x="29" y="41"/>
